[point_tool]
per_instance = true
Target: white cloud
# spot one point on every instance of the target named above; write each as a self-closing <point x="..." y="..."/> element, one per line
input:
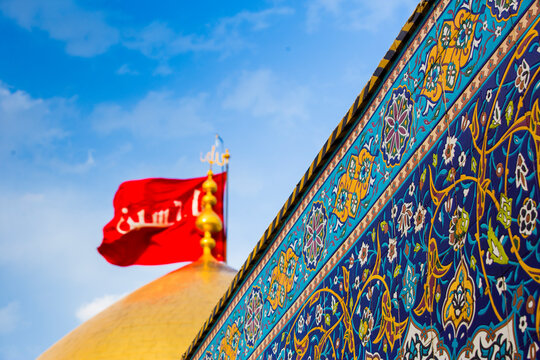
<point x="255" y="20"/>
<point x="163" y="69"/>
<point x="356" y="14"/>
<point x="159" y="41"/>
<point x="27" y="121"/>
<point x="158" y="114"/>
<point x="125" y="69"/>
<point x="94" y="307"/>
<point x="262" y="94"/>
<point x="85" y="32"/>
<point x="9" y="317"/>
<point x="76" y="168"/>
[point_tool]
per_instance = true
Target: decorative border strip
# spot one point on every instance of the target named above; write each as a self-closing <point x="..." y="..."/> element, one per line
<point x="426" y="146"/>
<point x="328" y="148"/>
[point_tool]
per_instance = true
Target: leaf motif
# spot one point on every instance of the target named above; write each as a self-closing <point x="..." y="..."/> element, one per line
<point x="437" y="112"/>
<point x="397" y="270"/>
<point x="496" y="248"/>
<point x="494" y="125"/>
<point x="509" y="112"/>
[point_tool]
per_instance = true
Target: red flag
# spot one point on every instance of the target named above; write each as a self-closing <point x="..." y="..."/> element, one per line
<point x="154" y="222"/>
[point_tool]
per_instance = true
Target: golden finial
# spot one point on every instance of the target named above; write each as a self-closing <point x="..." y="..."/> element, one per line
<point x="208" y="221"/>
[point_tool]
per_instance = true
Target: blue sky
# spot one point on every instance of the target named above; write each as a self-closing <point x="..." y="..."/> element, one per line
<point x="93" y="93"/>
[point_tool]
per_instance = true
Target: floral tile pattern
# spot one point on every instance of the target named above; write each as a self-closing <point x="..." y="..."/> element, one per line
<point x="420" y="240"/>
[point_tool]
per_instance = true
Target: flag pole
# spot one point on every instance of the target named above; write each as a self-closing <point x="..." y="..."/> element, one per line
<point x="225" y="184"/>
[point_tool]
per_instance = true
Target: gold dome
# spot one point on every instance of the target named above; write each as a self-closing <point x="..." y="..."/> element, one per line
<point x="157" y="321"/>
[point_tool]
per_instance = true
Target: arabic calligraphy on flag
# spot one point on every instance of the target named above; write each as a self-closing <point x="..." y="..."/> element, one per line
<point x="154" y="222"/>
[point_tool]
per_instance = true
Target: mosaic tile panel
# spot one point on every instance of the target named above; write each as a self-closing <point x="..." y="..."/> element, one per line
<point x="419" y="237"/>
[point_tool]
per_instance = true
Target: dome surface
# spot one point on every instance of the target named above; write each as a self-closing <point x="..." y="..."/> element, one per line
<point x="157" y="321"/>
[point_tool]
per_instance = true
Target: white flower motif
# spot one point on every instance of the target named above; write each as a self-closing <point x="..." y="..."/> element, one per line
<point x="406" y="76"/>
<point x="462" y="159"/>
<point x="404" y="219"/>
<point x="514" y="5"/>
<point x="335" y="280"/>
<point x="465" y="122"/>
<point x="480" y="283"/>
<point x="528" y="214"/>
<point x="386" y="175"/>
<point x="501" y="285"/>
<point x="449" y="149"/>
<point x="363" y="254"/>
<point x="318" y="314"/>
<point x="392" y="251"/>
<point x="334" y="304"/>
<point x="497" y="114"/>
<point x="489" y="94"/>
<point x="523" y="323"/>
<point x="412" y="187"/>
<point x="356" y="282"/>
<point x="419" y="218"/>
<point x="301" y="324"/>
<point x="522" y="76"/>
<point x="484" y="25"/>
<point x="394" y="211"/>
<point x="498" y="31"/>
<point x="521" y="173"/>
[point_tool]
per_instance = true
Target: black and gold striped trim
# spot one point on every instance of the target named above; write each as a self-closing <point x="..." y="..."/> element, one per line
<point x="331" y="144"/>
